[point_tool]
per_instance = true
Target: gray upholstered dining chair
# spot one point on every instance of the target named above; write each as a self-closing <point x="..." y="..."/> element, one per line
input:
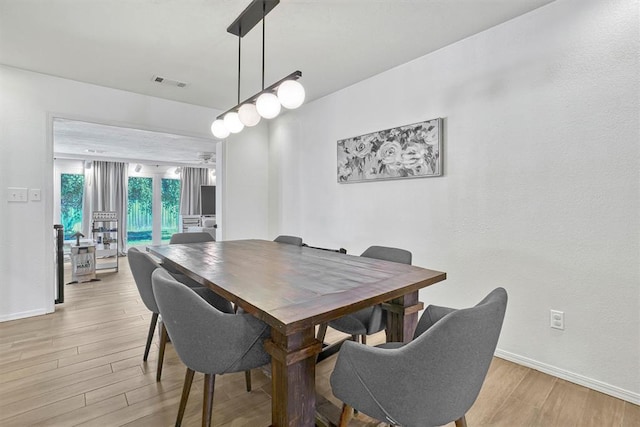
<point x="194" y="237"/>
<point x="290" y="240"/>
<point x="142" y="267"/>
<point x="369" y="320"/>
<point x="206" y="339"/>
<point x="431" y="381"/>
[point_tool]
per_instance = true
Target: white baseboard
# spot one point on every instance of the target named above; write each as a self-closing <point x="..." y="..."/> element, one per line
<point x="605" y="388"/>
<point x="22" y="315"/>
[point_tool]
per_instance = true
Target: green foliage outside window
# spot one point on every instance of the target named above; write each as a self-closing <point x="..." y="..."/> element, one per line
<point x="139" y="211"/>
<point x="139" y="208"/>
<point x="71" y="190"/>
<point x="170" y="207"/>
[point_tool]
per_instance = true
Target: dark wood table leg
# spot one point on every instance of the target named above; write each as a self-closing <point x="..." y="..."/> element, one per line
<point x="402" y="317"/>
<point x="293" y="370"/>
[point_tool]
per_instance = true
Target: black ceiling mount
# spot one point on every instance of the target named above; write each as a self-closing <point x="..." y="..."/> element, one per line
<point x="253" y="14"/>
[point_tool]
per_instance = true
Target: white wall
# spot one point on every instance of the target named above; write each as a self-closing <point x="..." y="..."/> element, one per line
<point x="244" y="177"/>
<point x="540" y="192"/>
<point x="28" y="103"/>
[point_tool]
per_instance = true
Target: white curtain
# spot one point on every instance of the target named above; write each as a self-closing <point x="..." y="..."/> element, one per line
<point x="191" y="181"/>
<point x="106" y="189"/>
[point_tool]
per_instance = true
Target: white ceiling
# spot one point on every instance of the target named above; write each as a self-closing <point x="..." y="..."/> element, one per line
<point x="92" y="141"/>
<point x="335" y="43"/>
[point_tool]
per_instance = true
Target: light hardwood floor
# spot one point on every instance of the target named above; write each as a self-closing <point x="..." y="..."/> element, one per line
<point x="82" y="365"/>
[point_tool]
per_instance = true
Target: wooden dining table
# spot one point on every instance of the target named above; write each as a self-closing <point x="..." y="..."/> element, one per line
<point x="293" y="289"/>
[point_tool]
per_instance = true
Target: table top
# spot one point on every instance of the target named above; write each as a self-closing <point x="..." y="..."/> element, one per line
<point x="291" y="287"/>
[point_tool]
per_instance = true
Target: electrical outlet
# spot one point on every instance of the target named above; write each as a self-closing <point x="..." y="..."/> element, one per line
<point x="35" y="194"/>
<point x="17" y="194"/>
<point x="557" y="319"/>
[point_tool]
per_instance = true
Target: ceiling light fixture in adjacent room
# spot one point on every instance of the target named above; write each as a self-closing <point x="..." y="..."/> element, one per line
<point x="267" y="103"/>
<point x="206" y="158"/>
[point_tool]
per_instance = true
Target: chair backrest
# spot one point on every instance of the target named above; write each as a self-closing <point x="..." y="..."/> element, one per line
<point x="442" y="370"/>
<point x="142" y="266"/>
<point x="290" y="240"/>
<point x="388" y="254"/>
<point x="195" y="237"/>
<point x="206" y="339"/>
<point x="465" y="340"/>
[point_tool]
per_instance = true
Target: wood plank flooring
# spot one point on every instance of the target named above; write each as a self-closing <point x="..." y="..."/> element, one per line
<point x="82" y="366"/>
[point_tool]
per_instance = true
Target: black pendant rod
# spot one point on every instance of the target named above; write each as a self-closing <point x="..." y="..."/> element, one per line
<point x="264" y="13"/>
<point x="239" y="57"/>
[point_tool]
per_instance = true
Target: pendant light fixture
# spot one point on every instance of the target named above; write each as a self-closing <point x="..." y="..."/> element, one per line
<point x="291" y="94"/>
<point x="267" y="103"/>
<point x="219" y="130"/>
<point x="249" y="114"/>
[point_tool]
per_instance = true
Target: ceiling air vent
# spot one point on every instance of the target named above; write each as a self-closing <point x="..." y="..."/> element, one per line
<point x="168" y="82"/>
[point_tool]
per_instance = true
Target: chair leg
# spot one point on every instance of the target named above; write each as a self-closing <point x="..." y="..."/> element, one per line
<point x="363" y="339"/>
<point x="322" y="332"/>
<point x="345" y="415"/>
<point x="152" y="330"/>
<point x="186" y="388"/>
<point x="247" y="379"/>
<point x="461" y="422"/>
<point x="164" y="336"/>
<point x="207" y="406"/>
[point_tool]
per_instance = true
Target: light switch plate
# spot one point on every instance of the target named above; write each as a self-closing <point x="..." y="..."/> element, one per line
<point x="35" y="194"/>
<point x="17" y="194"/>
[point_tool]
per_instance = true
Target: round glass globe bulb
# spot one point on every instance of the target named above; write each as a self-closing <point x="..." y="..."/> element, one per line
<point x="219" y="130"/>
<point x="268" y="105"/>
<point x="291" y="94"/>
<point x="232" y="122"/>
<point x="249" y="115"/>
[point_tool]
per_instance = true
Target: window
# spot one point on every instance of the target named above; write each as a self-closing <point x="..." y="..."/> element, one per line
<point x="140" y="211"/>
<point x="170" y="207"/>
<point x="71" y="191"/>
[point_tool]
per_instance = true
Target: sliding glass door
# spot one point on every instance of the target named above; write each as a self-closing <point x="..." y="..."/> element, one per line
<point x="170" y="197"/>
<point x="140" y="211"/>
<point x="153" y="210"/>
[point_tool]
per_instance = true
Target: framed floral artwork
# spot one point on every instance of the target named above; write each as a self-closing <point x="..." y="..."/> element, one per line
<point x="411" y="151"/>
